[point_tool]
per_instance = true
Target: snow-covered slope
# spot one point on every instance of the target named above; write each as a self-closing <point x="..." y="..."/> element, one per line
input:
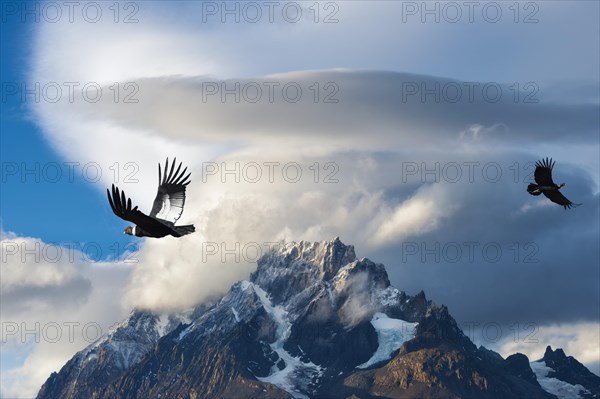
<point x="296" y="375"/>
<point x="391" y="334"/>
<point x="565" y="377"/>
<point x="562" y="389"/>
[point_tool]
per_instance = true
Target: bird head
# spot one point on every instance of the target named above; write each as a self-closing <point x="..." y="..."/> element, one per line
<point x="128" y="230"/>
<point x="561" y="185"/>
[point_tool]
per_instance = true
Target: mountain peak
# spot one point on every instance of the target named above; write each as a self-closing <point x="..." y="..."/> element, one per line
<point x="328" y="256"/>
<point x="557" y="354"/>
<point x="296" y="266"/>
<point x="556" y="365"/>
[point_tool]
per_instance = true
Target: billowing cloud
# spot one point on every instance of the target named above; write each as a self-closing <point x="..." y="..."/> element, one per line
<point x="53" y="303"/>
<point x="415" y="216"/>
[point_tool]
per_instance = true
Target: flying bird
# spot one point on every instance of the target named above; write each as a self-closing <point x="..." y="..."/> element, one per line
<point x="545" y="185"/>
<point x="166" y="210"/>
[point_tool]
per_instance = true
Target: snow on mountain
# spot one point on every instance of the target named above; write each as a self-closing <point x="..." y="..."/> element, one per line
<point x="295" y="376"/>
<point x="391" y="334"/>
<point x="128" y="341"/>
<point x="562" y="389"/>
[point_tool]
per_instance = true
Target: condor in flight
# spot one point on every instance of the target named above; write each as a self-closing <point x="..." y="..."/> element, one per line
<point x="167" y="208"/>
<point x="545" y="185"/>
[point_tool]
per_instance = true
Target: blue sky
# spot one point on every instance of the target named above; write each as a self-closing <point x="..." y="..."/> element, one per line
<point x="169" y="55"/>
<point x="48" y="202"/>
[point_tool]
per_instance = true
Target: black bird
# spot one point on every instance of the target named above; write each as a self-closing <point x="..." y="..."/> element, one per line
<point x="167" y="208"/>
<point x="545" y="185"/>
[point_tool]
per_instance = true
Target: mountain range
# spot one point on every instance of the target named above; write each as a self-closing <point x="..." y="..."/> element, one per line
<point x="312" y="321"/>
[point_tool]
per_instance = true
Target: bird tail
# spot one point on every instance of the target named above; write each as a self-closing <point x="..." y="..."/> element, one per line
<point x="184" y="230"/>
<point x="533" y="189"/>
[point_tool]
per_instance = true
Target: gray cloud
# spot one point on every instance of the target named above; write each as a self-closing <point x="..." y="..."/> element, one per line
<point x="371" y="109"/>
<point x="562" y="284"/>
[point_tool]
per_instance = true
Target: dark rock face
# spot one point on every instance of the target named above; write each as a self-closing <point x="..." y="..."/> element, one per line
<point x="214" y="367"/>
<point x="105" y="360"/>
<point x="440" y="362"/>
<point x="518" y="365"/>
<point x="301" y="327"/>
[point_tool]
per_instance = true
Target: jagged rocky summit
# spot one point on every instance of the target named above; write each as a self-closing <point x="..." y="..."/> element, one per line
<point x="313" y="321"/>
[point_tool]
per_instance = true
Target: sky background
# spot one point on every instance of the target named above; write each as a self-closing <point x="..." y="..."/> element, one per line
<point x="423" y="125"/>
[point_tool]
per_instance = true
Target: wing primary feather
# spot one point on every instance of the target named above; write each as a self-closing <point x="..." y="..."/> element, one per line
<point x="184" y="182"/>
<point x="179" y="179"/>
<point x="159" y="174"/>
<point x="177" y="171"/>
<point x="166" y="171"/>
<point x="116" y="198"/>
<point x="123" y="200"/>
<point x="172" y="170"/>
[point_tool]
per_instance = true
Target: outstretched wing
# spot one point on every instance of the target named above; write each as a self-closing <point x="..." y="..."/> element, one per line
<point x="558" y="198"/>
<point x="121" y="206"/>
<point x="170" y="198"/>
<point x="543" y="172"/>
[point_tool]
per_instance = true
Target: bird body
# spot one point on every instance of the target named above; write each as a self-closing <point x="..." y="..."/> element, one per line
<point x="545" y="185"/>
<point x="166" y="210"/>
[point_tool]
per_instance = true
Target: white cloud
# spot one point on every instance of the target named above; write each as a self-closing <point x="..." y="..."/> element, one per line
<point x="53" y="304"/>
<point x="175" y="275"/>
<point x="30" y="263"/>
<point x="420" y="214"/>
